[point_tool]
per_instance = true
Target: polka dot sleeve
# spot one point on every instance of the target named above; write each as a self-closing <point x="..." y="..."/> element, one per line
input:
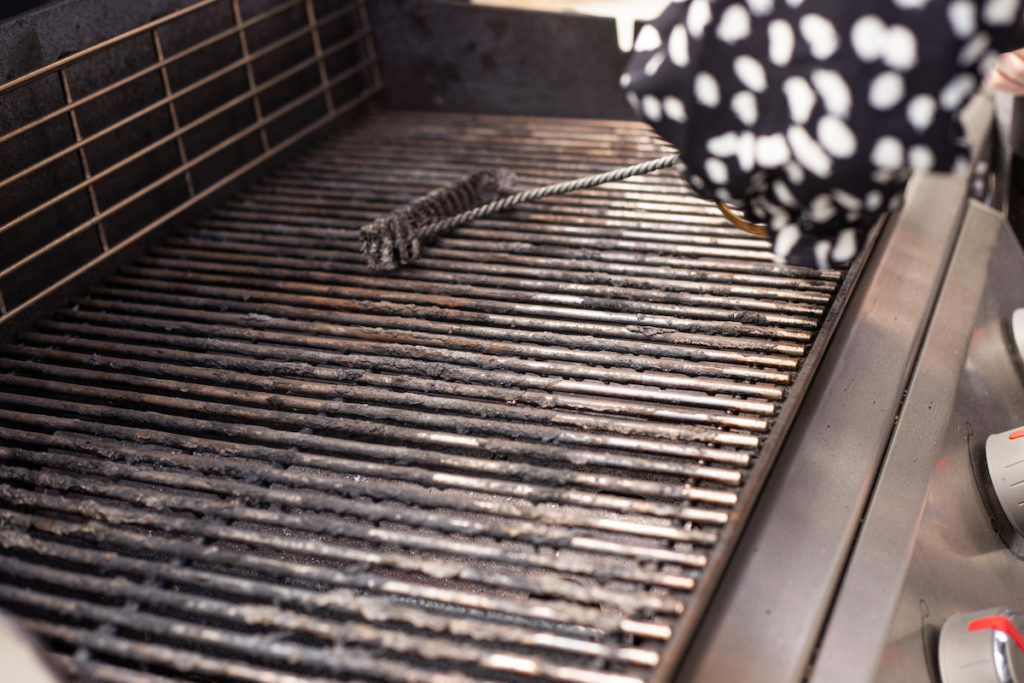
<point x="811" y="114"/>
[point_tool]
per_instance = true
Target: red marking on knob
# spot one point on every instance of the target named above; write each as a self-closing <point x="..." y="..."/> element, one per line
<point x="1017" y="434"/>
<point x="997" y="622"/>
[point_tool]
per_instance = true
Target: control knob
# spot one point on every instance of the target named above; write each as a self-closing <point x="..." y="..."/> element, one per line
<point x="1004" y="457"/>
<point x="982" y="647"/>
<point x="1017" y="332"/>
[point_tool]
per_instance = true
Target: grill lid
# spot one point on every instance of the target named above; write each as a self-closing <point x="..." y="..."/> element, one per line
<point x="247" y="457"/>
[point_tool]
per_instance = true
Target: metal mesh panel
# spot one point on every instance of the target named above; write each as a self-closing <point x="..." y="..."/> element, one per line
<point x="100" y="148"/>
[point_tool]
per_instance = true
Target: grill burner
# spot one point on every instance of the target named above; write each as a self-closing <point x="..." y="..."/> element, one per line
<point x="248" y="457"/>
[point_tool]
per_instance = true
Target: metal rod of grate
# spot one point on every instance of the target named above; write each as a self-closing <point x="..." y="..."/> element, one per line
<point x="246" y="457"/>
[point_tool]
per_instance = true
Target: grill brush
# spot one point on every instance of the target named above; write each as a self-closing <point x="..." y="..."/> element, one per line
<point x="397" y="238"/>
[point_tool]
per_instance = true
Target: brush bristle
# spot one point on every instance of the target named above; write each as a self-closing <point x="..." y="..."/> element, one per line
<point x="394" y="239"/>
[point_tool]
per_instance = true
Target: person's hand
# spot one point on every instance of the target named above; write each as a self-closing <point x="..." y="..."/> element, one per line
<point x="1008" y="73"/>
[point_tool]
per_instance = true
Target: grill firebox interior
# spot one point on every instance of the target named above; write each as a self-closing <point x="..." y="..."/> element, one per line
<point x="244" y="456"/>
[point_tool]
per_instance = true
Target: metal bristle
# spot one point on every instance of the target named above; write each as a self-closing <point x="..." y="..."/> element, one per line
<point x="398" y="234"/>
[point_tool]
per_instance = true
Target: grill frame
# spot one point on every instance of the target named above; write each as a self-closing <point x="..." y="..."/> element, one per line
<point x="448" y="294"/>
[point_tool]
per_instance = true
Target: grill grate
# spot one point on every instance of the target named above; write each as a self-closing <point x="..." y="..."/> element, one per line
<point x="247" y="457"/>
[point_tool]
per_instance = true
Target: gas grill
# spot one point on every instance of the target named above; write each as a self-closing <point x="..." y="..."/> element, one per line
<point x="229" y="451"/>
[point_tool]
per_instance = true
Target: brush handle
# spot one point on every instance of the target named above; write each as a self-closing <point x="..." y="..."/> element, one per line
<point x="433" y="229"/>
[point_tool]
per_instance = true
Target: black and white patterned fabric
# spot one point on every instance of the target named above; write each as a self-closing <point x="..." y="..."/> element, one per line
<point x="809" y="115"/>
